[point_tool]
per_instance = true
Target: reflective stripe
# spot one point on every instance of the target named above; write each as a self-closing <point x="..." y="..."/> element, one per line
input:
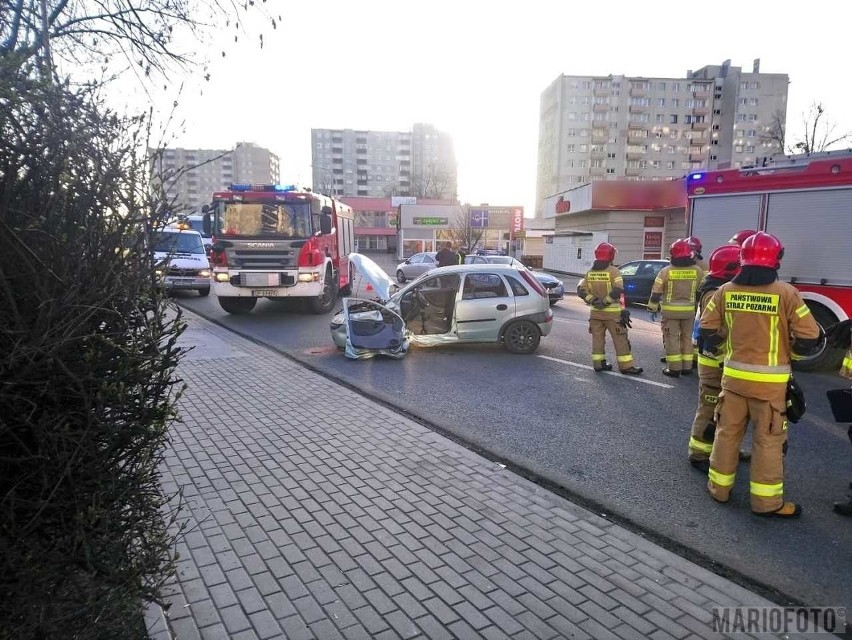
<point x="803" y="311"/>
<point x="721" y="479"/>
<point x="773" y="342"/>
<point x="611" y="309"/>
<point x="598" y="356"/>
<point x="703" y="447"/>
<point x="729" y="321"/>
<point x="708" y="362"/>
<point x="626" y="358"/>
<point x="710" y="306"/>
<point x="758" y="368"/>
<point x="847" y="362"/>
<point x="709" y="398"/>
<point x="674" y="358"/>
<point x="752" y="376"/>
<point x="767" y="490"/>
<point x="678" y="307"/>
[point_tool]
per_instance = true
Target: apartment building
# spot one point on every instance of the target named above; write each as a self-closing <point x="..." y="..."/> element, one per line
<point x="637" y="128"/>
<point x="191" y="176"/>
<point x="381" y="164"/>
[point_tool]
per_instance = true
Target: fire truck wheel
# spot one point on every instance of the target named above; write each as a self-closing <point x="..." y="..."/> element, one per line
<point x="204" y="292"/>
<point x="324" y="302"/>
<point x="237" y="305"/>
<point x="823" y="357"/>
<point x="347" y="290"/>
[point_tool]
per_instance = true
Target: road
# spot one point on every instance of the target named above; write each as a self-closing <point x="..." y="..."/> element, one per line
<point x="614" y="443"/>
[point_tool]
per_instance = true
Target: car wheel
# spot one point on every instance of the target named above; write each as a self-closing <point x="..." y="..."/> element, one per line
<point x="204" y="292"/>
<point x="400" y="277"/>
<point x="324" y="302"/>
<point x="553" y="302"/>
<point x="521" y="336"/>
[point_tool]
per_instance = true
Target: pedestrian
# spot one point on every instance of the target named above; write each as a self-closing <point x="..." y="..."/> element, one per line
<point x="446" y="256"/>
<point x="724" y="265"/>
<point x="762" y="322"/>
<point x="674" y="292"/>
<point x="840" y="336"/>
<point x="695" y="244"/>
<point x="462" y="255"/>
<point x="601" y="288"/>
<point x="740" y="236"/>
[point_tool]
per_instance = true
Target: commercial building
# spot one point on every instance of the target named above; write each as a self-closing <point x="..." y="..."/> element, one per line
<point x="595" y="128"/>
<point x="640" y="218"/>
<point x="379" y="164"/>
<point x="190" y="176"/>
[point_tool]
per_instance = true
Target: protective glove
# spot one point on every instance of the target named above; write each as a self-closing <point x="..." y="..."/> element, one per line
<point x="653" y="307"/>
<point x="839" y="335"/>
<point x="710" y="344"/>
<point x="597" y="303"/>
<point x="624" y="320"/>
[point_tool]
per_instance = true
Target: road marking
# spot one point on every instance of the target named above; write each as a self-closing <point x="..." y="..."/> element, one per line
<point x="611" y="373"/>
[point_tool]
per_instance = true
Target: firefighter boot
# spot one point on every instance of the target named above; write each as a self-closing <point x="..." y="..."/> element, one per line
<point x="632" y="371"/>
<point x="843" y="508"/>
<point x="604" y="366"/>
<point x="745" y="456"/>
<point x="671" y="374"/>
<point x="786" y="510"/>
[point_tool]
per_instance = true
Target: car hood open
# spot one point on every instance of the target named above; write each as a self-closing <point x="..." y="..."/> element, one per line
<point x="374" y="275"/>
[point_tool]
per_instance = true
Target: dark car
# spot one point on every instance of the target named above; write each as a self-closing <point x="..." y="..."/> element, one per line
<point x="639" y="277"/>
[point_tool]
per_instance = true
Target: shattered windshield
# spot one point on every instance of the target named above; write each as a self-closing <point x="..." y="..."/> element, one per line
<point x="279" y="219"/>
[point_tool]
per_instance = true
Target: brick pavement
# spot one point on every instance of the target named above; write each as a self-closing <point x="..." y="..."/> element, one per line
<point x="314" y="512"/>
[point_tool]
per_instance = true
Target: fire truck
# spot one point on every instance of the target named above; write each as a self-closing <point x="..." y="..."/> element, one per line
<point x="277" y="241"/>
<point x="806" y="203"/>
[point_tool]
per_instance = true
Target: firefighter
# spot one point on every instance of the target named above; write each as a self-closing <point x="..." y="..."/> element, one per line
<point x="675" y="287"/>
<point x="724" y="265"/>
<point x="740" y="236"/>
<point x="840" y="336"/>
<point x="695" y="244"/>
<point x="757" y="317"/>
<point x="601" y="288"/>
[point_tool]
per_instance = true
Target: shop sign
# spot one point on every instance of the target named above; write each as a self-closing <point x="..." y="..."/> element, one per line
<point x="430" y="222"/>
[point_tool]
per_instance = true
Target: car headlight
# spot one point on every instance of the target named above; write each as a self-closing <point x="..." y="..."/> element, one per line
<point x="158" y="272"/>
<point x="204" y="273"/>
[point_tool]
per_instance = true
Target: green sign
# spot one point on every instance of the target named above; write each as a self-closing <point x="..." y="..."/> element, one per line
<point x="430" y="221"/>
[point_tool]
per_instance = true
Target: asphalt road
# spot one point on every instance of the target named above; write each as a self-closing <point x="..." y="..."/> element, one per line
<point x="617" y="444"/>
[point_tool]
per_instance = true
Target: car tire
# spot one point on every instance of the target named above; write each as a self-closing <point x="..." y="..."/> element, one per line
<point x="553" y="302"/>
<point x="347" y="290"/>
<point x="204" y="292"/>
<point x="826" y="357"/>
<point x="324" y="302"/>
<point x="237" y="305"/>
<point x="400" y="277"/>
<point x="521" y="336"/>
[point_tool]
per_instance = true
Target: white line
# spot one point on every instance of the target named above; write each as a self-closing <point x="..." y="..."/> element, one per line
<point x="611" y="373"/>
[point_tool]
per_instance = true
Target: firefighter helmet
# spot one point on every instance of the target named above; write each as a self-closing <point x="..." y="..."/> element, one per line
<point x="762" y="250"/>
<point x="695" y="243"/>
<point x="681" y="249"/>
<point x="724" y="262"/>
<point x="739" y="237"/>
<point x="605" y="251"/>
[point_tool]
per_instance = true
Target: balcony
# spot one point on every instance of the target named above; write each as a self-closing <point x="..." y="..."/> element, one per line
<point x="699" y="126"/>
<point x="638" y="93"/>
<point x="601" y="92"/>
<point x="597" y="171"/>
<point x="599" y="139"/>
<point x="637" y="108"/>
<point x="633" y="171"/>
<point x="636" y="155"/>
<point x="598" y="155"/>
<point x="699" y="142"/>
<point x="697" y="157"/>
<point x="703" y="93"/>
<point x="639" y="125"/>
<point x="701" y="111"/>
<point x="600" y="108"/>
<point x="633" y="139"/>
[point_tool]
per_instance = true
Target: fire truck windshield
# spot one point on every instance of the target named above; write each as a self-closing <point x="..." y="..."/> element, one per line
<point x="273" y="219"/>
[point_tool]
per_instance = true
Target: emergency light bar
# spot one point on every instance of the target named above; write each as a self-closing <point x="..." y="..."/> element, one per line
<point x="263" y="187"/>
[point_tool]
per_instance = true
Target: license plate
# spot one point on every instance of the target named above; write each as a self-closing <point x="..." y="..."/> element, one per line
<point x="181" y="280"/>
<point x="264" y="293"/>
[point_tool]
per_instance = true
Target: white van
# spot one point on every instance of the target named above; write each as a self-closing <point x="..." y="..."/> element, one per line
<point x="181" y="261"/>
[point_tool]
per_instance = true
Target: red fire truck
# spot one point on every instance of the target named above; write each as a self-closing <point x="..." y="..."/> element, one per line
<point x="274" y="241"/>
<point x="807" y="204"/>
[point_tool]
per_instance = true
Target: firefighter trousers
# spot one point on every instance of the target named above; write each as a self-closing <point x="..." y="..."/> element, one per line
<point x="677" y="341"/>
<point x="769" y="423"/>
<point x="598" y="328"/>
<point x="704" y="424"/>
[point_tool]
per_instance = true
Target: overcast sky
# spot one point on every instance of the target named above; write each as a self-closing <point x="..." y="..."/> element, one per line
<point x="477" y="69"/>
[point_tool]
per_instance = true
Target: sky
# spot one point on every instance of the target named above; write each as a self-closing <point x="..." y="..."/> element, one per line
<point x="477" y="69"/>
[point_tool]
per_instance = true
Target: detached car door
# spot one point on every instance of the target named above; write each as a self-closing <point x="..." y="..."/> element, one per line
<point x="485" y="305"/>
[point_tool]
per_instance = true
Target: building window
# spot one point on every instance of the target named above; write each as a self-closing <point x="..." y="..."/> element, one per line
<point x="661" y="86"/>
<point x="655" y="164"/>
<point x="675" y="86"/>
<point x="673" y="118"/>
<point x="743" y="102"/>
<point x="754" y="85"/>
<point x="752" y="102"/>
<point x="661" y="102"/>
<point x="571" y="148"/>
<point x="675" y="103"/>
<point x="670" y="164"/>
<point x="740" y="133"/>
<point x="660" y="118"/>
<point x="584" y="148"/>
<point x="750" y="148"/>
<point x="741" y="117"/>
<point x="571" y="132"/>
<point x="572" y="115"/>
<point x="752" y="117"/>
<point x="611" y="171"/>
<point x="738" y="148"/>
<point x="752" y="133"/>
<point x="582" y="164"/>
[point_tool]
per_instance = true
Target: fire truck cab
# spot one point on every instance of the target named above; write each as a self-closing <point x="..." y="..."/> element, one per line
<point x="276" y="241"/>
<point x="805" y="202"/>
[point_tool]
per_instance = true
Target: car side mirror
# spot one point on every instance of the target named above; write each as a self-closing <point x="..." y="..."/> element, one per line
<point x="206" y="223"/>
<point x="325" y="222"/>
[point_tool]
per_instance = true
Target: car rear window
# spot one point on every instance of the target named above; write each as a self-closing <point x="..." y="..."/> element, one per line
<point x="517" y="288"/>
<point x="483" y="285"/>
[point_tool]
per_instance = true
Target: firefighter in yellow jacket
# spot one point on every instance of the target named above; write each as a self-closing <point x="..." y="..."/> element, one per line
<point x="754" y="319"/>
<point x="724" y="265"/>
<point x="695" y="245"/>
<point x="602" y="288"/>
<point x="674" y="290"/>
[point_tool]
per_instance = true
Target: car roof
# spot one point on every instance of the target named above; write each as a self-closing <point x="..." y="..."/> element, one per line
<point x="645" y="260"/>
<point x="453" y="268"/>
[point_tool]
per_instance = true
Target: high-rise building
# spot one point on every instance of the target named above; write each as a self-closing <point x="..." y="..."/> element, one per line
<point x="381" y="164"/>
<point x="639" y="128"/>
<point x="191" y="176"/>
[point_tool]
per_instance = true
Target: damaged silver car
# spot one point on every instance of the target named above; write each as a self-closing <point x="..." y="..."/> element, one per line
<point x="460" y="303"/>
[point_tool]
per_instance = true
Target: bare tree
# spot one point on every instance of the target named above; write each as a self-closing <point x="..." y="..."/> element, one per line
<point x="433" y="182"/>
<point x="463" y="233"/>
<point x="776" y="132"/>
<point x="819" y="134"/>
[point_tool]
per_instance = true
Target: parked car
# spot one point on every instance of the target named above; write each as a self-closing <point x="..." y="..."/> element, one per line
<point x="460" y="303"/>
<point x="555" y="288"/>
<point x="415" y="266"/>
<point x="181" y="262"/>
<point x="638" y="276"/>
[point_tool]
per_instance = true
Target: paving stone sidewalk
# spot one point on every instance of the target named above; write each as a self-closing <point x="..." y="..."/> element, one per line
<point x="315" y="512"/>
